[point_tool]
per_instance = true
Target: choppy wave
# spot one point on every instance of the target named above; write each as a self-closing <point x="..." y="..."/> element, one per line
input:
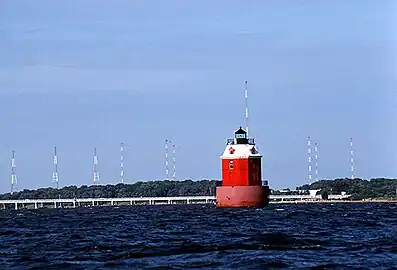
<point x="312" y="236"/>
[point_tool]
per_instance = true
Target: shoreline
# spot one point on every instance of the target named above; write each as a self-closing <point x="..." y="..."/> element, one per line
<point x="336" y="201"/>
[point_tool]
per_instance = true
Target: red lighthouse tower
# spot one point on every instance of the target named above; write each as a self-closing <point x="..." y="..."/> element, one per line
<point x="241" y="174"/>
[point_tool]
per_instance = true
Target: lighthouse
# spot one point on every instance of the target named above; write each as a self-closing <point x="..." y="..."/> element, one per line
<point x="241" y="174"/>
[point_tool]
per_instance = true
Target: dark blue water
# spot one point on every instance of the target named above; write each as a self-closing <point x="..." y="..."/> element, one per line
<point x="312" y="236"/>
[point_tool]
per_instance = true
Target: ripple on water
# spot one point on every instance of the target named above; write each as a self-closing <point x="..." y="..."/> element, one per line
<point x="311" y="236"/>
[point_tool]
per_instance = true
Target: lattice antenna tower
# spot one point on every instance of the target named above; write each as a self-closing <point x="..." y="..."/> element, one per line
<point x="174" y="161"/>
<point x="309" y="153"/>
<point x="122" y="163"/>
<point x="13" y="173"/>
<point x="316" y="159"/>
<point x="351" y="158"/>
<point x="166" y="159"/>
<point x="168" y="142"/>
<point x="246" y="106"/>
<point x="55" y="173"/>
<point x="94" y="168"/>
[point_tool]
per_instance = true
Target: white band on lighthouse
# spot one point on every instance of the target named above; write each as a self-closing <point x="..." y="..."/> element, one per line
<point x="240" y="151"/>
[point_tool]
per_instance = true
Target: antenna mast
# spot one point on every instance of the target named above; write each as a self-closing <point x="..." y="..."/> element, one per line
<point x="122" y="163"/>
<point x="94" y="169"/>
<point x="309" y="159"/>
<point x="55" y="173"/>
<point x="166" y="159"/>
<point x="173" y="160"/>
<point x="316" y="159"/>
<point x="351" y="158"/>
<point x="246" y="106"/>
<point x="13" y="173"/>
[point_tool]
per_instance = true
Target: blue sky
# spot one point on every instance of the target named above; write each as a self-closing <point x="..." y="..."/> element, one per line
<point x="84" y="74"/>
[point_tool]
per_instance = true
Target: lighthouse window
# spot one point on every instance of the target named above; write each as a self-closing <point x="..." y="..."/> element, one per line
<point x="230" y="164"/>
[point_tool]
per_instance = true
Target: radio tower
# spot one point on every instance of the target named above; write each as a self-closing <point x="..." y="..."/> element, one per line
<point x="13" y="173"/>
<point x="351" y="158"/>
<point x="94" y="168"/>
<point x="316" y="159"/>
<point x="55" y="173"/>
<point x="309" y="159"/>
<point x="122" y="163"/>
<point x="173" y="160"/>
<point x="246" y="106"/>
<point x="166" y="159"/>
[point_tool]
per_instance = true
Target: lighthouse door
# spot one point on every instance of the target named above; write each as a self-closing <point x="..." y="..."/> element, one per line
<point x="254" y="172"/>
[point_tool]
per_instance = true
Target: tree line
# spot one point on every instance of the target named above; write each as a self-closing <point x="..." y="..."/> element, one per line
<point x="376" y="188"/>
<point x="164" y="188"/>
<point x="380" y="188"/>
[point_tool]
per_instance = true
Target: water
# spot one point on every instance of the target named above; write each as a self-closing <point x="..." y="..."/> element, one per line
<point x="312" y="236"/>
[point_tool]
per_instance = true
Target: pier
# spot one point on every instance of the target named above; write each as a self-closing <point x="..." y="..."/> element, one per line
<point x="305" y="198"/>
<point x="90" y="202"/>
